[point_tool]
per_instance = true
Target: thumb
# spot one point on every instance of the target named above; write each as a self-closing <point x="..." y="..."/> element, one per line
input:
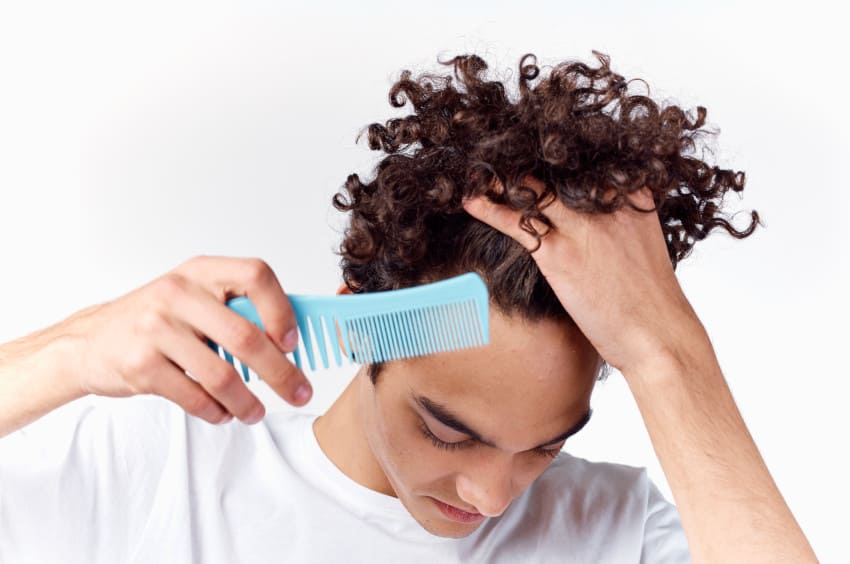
<point x="500" y="217"/>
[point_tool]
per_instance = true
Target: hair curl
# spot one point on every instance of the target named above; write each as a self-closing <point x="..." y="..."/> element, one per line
<point x="577" y="130"/>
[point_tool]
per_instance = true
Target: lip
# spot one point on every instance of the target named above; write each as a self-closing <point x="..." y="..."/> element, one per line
<point x="456" y="514"/>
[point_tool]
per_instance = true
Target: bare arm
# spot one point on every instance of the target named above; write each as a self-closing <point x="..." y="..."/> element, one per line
<point x="613" y="274"/>
<point x="33" y="379"/>
<point x="151" y="339"/>
<point x="730" y="507"/>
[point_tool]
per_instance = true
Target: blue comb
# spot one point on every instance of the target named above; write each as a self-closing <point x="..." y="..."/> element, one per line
<point x="437" y="317"/>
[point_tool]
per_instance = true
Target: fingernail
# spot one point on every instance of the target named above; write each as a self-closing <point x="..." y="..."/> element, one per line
<point x="290" y="341"/>
<point x="303" y="393"/>
<point x="255" y="417"/>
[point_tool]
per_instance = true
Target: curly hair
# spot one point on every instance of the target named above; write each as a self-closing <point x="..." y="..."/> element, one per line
<point x="577" y="130"/>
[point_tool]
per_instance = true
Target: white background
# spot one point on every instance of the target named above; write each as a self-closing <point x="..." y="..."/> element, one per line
<point x="132" y="138"/>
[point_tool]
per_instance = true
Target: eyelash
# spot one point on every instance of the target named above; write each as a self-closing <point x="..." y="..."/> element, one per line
<point x="439" y="443"/>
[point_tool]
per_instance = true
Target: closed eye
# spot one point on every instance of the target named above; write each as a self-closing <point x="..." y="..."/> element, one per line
<point x="438" y="442"/>
<point x="468" y="443"/>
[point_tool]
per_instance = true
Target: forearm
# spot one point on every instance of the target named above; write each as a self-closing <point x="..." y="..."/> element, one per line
<point x="33" y="379"/>
<point x="730" y="507"/>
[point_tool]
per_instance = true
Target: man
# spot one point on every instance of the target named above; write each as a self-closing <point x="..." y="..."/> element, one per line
<point x="448" y="457"/>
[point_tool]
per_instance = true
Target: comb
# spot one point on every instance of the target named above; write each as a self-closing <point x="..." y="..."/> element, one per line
<point x="440" y="316"/>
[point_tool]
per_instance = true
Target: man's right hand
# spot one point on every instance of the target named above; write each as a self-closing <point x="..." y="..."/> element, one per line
<point x="146" y="341"/>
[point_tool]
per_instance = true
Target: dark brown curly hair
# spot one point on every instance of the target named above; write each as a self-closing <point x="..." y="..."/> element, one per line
<point x="577" y="130"/>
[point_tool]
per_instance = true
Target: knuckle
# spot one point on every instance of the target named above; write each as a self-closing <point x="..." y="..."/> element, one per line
<point x="246" y="337"/>
<point x="139" y="371"/>
<point x="151" y="322"/>
<point x="197" y="403"/>
<point x="171" y="285"/>
<point x="139" y="361"/>
<point x="221" y="379"/>
<point x="286" y="374"/>
<point x="257" y="271"/>
<point x="141" y="384"/>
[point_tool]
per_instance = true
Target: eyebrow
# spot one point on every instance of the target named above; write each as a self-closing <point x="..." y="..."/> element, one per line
<point x="442" y="414"/>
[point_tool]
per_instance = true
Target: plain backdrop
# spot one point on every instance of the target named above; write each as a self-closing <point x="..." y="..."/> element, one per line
<point x="135" y="137"/>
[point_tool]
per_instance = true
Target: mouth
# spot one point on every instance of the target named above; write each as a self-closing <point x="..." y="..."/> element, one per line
<point x="457" y="514"/>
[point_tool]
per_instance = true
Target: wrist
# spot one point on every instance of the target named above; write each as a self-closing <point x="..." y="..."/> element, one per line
<point x="59" y="361"/>
<point x="690" y="351"/>
<point x="36" y="376"/>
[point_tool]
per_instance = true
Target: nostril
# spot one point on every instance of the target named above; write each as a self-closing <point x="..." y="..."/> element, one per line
<point x="490" y="489"/>
<point x="498" y="512"/>
<point x="487" y="509"/>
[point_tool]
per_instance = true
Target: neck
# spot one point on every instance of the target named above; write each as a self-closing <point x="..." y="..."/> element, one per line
<point x="341" y="435"/>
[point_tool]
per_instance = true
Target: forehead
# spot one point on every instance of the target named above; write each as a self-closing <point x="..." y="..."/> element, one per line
<point x="545" y="367"/>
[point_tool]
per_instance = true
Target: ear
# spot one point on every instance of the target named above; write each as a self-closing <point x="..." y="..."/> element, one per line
<point x="344" y="289"/>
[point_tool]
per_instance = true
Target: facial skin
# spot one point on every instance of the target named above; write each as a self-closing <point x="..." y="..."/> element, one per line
<point x="532" y="383"/>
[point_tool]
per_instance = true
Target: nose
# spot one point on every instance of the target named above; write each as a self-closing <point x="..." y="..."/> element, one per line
<point x="488" y="487"/>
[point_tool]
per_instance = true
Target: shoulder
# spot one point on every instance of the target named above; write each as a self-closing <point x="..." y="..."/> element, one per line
<point x="91" y="426"/>
<point x="603" y="511"/>
<point x="590" y="479"/>
<point x="588" y="497"/>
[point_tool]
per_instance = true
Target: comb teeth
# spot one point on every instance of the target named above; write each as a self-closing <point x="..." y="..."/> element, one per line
<point x="376" y="327"/>
<point x="428" y="330"/>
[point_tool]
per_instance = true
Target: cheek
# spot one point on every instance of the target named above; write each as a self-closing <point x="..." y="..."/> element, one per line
<point x="530" y="471"/>
<point x="406" y="456"/>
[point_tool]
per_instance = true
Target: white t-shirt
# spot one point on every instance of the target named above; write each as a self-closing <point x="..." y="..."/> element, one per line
<point x="138" y="480"/>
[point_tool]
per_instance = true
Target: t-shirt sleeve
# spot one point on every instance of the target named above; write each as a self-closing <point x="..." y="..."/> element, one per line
<point x="664" y="540"/>
<point x="70" y="482"/>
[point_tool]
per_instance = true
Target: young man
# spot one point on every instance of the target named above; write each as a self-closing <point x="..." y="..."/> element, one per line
<point x="452" y="457"/>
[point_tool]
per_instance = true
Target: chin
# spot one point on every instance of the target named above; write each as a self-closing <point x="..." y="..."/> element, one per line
<point x="448" y="529"/>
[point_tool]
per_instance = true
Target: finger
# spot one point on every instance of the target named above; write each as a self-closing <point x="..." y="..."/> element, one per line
<point x="171" y="383"/>
<point x="215" y="375"/>
<point x="227" y="277"/>
<point x="642" y="198"/>
<point x="504" y="219"/>
<point x="245" y="341"/>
